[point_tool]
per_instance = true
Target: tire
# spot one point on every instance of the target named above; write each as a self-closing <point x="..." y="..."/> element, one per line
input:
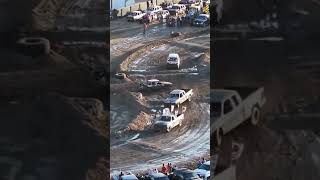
<point x="217" y="139"/>
<point x="180" y="124"/>
<point x="34" y="46"/>
<point x="189" y="99"/>
<point x="168" y="129"/>
<point x="255" y="116"/>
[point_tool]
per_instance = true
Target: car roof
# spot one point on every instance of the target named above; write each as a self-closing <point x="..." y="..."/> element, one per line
<point x="173" y="55"/>
<point x="153" y="80"/>
<point x="207" y="163"/>
<point x="219" y="95"/>
<point x="176" y="91"/>
<point x="157" y="175"/>
<point x="130" y="176"/>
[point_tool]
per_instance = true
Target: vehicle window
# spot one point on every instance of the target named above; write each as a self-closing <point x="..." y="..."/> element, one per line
<point x="165" y="118"/>
<point x="215" y="109"/>
<point x="161" y="178"/>
<point x="172" y="59"/>
<point x="204" y="167"/>
<point x="235" y="100"/>
<point x="174" y="95"/>
<point x="227" y="107"/>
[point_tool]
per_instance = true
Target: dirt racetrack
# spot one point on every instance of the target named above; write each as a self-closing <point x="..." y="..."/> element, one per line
<point x="140" y="148"/>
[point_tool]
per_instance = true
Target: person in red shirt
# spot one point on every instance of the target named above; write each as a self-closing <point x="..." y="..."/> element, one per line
<point x="164" y="169"/>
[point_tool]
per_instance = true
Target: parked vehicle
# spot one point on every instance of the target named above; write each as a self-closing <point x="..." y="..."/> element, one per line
<point x="154" y="9"/>
<point x="157" y="176"/>
<point x="168" y="120"/>
<point x="164" y="13"/>
<point x="185" y="174"/>
<point x="179" y="96"/>
<point x="202" y="20"/>
<point x="154" y="84"/>
<point x="128" y="176"/>
<point x="176" y="9"/>
<point x="135" y="16"/>
<point x="203" y="170"/>
<point x="232" y="106"/>
<point x="173" y="60"/>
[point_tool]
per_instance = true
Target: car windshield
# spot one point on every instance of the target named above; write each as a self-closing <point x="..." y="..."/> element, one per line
<point x="189" y="175"/>
<point x="175" y="7"/>
<point x="172" y="59"/>
<point x="160" y="178"/>
<point x="202" y="17"/>
<point x="165" y="118"/>
<point x="150" y="9"/>
<point x="204" y="167"/>
<point x="174" y="95"/>
<point x="215" y="109"/>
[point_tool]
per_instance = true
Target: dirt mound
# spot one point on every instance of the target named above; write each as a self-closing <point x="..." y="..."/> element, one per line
<point x="140" y="123"/>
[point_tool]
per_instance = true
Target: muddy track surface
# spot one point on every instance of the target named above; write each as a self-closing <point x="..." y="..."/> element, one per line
<point x="135" y="146"/>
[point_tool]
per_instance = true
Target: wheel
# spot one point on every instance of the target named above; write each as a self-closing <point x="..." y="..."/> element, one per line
<point x="168" y="129"/>
<point x="217" y="139"/>
<point x="255" y="115"/>
<point x="180" y="124"/>
<point x="189" y="99"/>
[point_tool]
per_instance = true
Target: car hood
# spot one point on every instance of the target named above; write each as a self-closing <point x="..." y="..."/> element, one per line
<point x="161" y="123"/>
<point x="202" y="172"/>
<point x="200" y="20"/>
<point x="170" y="100"/>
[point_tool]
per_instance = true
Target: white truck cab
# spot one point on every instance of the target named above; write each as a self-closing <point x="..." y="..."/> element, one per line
<point x="173" y="60"/>
<point x="168" y="120"/>
<point x="179" y="96"/>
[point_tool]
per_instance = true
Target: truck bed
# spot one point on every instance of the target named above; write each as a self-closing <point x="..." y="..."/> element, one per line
<point x="243" y="91"/>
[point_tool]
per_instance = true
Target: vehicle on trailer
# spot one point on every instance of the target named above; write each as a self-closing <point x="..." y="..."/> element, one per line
<point x="156" y="176"/>
<point x="179" y="96"/>
<point x="203" y="170"/>
<point x="168" y="120"/>
<point x="154" y="9"/>
<point x="173" y="60"/>
<point x="135" y="15"/>
<point x="184" y="173"/>
<point x="202" y="20"/>
<point x="231" y="106"/>
<point x="154" y="84"/>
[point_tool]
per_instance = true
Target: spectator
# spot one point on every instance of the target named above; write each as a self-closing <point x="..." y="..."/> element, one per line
<point x="121" y="174"/>
<point x="168" y="168"/>
<point x="164" y="169"/>
<point x="115" y="13"/>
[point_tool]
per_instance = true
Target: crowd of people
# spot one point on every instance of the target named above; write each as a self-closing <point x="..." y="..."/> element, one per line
<point x="167" y="169"/>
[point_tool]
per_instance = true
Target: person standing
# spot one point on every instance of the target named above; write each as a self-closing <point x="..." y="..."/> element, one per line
<point x="144" y="28"/>
<point x="164" y="169"/>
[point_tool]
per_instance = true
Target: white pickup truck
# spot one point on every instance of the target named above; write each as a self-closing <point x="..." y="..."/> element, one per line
<point x="135" y="15"/>
<point x="232" y="106"/>
<point x="173" y="60"/>
<point x="154" y="84"/>
<point x="168" y="120"/>
<point x="179" y="96"/>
